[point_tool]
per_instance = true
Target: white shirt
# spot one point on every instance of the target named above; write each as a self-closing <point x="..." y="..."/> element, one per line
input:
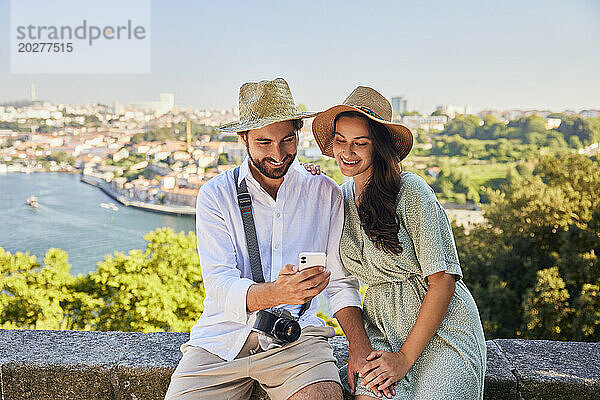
<point x="307" y="216"/>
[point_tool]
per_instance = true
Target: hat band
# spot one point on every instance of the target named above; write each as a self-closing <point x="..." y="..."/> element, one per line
<point x="367" y="110"/>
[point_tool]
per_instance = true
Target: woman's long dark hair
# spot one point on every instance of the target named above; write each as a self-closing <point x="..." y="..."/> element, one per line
<point x="377" y="209"/>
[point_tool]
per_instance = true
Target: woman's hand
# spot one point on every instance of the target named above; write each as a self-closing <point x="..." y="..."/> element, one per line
<point x="384" y="369"/>
<point x="314" y="169"/>
<point x="357" y="359"/>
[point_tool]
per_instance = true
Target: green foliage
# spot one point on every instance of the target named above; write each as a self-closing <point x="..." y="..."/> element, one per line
<point x="36" y="296"/>
<point x="127" y="162"/>
<point x="586" y="320"/>
<point x="463" y="125"/>
<point x="456" y="185"/>
<point x="159" y="289"/>
<point x="467" y="140"/>
<point x="410" y="113"/>
<point x="501" y="149"/>
<point x="528" y="130"/>
<point x="542" y="229"/>
<point x="172" y="132"/>
<point x="331" y="322"/>
<point x="587" y="130"/>
<point x="229" y="138"/>
<point x="546" y="306"/>
<point x="61" y="157"/>
<point x="223" y="159"/>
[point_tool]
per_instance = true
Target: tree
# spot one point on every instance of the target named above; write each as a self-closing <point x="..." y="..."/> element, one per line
<point x="586" y="129"/>
<point x="410" y="113"/>
<point x="546" y="307"/>
<point x="36" y="296"/>
<point x="542" y="229"/>
<point x="160" y="289"/>
<point x="575" y="142"/>
<point x="491" y="129"/>
<point x="223" y="160"/>
<point x="586" y="322"/>
<point x="463" y="125"/>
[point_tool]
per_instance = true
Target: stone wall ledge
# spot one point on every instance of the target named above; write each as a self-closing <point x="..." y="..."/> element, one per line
<point x="43" y="364"/>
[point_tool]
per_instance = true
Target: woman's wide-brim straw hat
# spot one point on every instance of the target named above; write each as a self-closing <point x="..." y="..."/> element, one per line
<point x="264" y="103"/>
<point x="373" y="105"/>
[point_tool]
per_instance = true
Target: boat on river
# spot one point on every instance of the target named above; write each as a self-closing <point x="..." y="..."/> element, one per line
<point x="109" y="206"/>
<point x="32" y="202"/>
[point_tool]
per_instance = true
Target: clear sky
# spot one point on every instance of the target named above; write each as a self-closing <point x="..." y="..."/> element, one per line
<point x="499" y="55"/>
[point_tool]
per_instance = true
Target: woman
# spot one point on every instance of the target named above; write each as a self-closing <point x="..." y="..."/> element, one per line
<point x="425" y="335"/>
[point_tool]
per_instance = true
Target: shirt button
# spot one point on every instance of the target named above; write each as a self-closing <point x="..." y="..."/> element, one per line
<point x="278" y="215"/>
<point x="276" y="245"/>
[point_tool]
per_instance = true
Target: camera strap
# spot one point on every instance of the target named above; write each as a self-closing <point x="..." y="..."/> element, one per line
<point x="245" y="204"/>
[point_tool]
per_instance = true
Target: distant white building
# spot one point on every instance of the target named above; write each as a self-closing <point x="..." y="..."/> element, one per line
<point x="425" y="122"/>
<point x="33" y="93"/>
<point x="165" y="105"/>
<point x="590" y="113"/>
<point x="452" y="110"/>
<point x="121" y="154"/>
<point x="591" y="150"/>
<point x="465" y="215"/>
<point x="552" y="123"/>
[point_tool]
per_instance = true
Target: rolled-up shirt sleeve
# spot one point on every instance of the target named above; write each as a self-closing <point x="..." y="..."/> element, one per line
<point x="343" y="288"/>
<point x="222" y="279"/>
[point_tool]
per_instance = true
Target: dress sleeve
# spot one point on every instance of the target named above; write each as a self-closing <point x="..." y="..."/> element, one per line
<point x="428" y="227"/>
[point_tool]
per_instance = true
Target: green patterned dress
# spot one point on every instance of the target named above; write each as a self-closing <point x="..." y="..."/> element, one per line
<point x="452" y="365"/>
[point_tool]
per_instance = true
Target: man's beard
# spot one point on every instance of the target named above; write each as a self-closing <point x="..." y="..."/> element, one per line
<point x="267" y="170"/>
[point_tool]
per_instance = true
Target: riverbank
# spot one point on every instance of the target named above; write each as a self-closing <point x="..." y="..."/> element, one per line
<point x="18" y="168"/>
<point x="107" y="188"/>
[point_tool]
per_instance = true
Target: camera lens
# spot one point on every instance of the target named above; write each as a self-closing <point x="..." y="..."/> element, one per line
<point x="286" y="330"/>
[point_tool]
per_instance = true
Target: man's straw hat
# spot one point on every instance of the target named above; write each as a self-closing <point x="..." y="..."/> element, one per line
<point x="264" y="103"/>
<point x="373" y="105"/>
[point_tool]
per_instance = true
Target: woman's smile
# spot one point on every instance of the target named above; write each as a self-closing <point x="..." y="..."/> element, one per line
<point x="347" y="162"/>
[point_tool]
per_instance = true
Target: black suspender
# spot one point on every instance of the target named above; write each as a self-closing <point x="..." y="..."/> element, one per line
<point x="245" y="203"/>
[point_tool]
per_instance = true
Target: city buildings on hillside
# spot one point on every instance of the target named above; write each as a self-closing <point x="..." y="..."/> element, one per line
<point x="99" y="140"/>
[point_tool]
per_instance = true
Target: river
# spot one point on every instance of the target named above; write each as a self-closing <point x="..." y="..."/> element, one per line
<point x="70" y="217"/>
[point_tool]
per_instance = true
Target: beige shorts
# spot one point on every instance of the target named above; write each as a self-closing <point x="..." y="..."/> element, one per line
<point x="281" y="371"/>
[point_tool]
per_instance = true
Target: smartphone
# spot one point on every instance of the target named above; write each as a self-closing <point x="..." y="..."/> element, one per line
<point x="307" y="260"/>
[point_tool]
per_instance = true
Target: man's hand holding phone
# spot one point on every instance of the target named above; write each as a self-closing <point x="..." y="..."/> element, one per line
<point x="299" y="284"/>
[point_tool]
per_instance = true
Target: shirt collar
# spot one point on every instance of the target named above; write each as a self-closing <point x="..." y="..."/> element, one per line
<point x="296" y="167"/>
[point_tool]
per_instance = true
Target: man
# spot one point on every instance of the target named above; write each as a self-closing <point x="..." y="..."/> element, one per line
<point x="293" y="211"/>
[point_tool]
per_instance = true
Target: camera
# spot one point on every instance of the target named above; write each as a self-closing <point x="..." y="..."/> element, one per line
<point x="278" y="324"/>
